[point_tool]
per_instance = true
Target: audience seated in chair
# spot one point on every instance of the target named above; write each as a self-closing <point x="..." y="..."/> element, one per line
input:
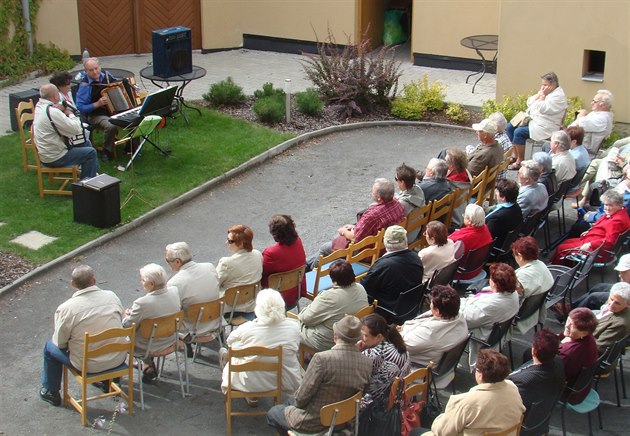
<point x="457" y="163"/>
<point x="496" y="396"/>
<point x="488" y="153"/>
<point x="578" y="151"/>
<point x="606" y="230"/>
<point x="432" y="333"/>
<point x="578" y="348"/>
<point x="496" y="303"/>
<point x="547" y="172"/>
<point x="52" y="126"/>
<point x="474" y="234"/>
<point x="562" y="160"/>
<point x="331" y="376"/>
<point x="243" y="267"/>
<point x="410" y="195"/>
<point x="541" y="380"/>
<point x="71" y="322"/>
<point x="598" y="123"/>
<point x="271" y="329"/>
<point x="346" y="296"/>
<point x="532" y="196"/>
<point x="398" y="270"/>
<point x="285" y="255"/>
<point x="613" y="317"/>
<point x="160" y="300"/>
<point x="195" y="283"/>
<point x="434" y="183"/>
<point x="506" y="215"/>
<point x="439" y="253"/>
<point x="598" y="294"/>
<point x="386" y="211"/>
<point x="383" y="344"/>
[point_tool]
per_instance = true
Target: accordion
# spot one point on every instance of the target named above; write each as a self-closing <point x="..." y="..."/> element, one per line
<point x="121" y="96"/>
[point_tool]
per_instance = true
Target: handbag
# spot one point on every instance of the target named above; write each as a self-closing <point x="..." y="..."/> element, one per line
<point x="521" y="119"/>
<point x="410" y="416"/>
<point x="383" y="417"/>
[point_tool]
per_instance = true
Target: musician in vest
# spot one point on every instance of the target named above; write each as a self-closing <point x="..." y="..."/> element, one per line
<point x="93" y="106"/>
<point x="52" y="126"/>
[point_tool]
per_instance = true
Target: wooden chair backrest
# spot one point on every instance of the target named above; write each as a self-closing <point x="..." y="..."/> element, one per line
<point x="418" y="219"/>
<point x="442" y="209"/>
<point x="324" y="263"/>
<point x="204" y="312"/>
<point x="418" y="381"/>
<point x="341" y="411"/>
<point x="24" y="114"/>
<point x="241" y="294"/>
<point x="93" y="345"/>
<point x="366" y="251"/>
<point x="477" y="186"/>
<point x="460" y="196"/>
<point x="283" y="281"/>
<point x="491" y="181"/>
<point x="161" y="327"/>
<point x="367" y="310"/>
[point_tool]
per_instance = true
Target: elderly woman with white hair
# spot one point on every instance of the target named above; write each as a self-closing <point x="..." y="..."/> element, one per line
<point x="614" y="317"/>
<point x="271" y="328"/>
<point x="473" y="235"/>
<point x="159" y="301"/>
<point x="547" y="174"/>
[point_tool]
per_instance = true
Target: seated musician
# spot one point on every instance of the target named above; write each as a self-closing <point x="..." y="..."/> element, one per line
<point x="93" y="106"/>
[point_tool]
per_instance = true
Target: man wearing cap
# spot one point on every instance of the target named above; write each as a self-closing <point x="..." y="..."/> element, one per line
<point x="332" y="376"/>
<point x="398" y="270"/>
<point x="488" y="152"/>
<point x="614" y="317"/>
<point x="91" y="310"/>
<point x="598" y="295"/>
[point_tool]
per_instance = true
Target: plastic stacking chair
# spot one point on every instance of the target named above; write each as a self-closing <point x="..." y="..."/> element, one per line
<point x="444" y="372"/>
<point x="117" y="340"/>
<point x="538" y="415"/>
<point x="163" y="327"/>
<point x="472" y="261"/>
<point x="285" y="281"/>
<point x="407" y="305"/>
<point x="610" y="363"/>
<point x="272" y="363"/>
<point x="612" y="255"/>
<point x="495" y="338"/>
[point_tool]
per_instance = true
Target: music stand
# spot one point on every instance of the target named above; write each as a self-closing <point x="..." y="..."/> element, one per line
<point x="142" y="132"/>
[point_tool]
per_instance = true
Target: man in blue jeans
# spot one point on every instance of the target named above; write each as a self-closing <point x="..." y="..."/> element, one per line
<point x="91" y="310"/>
<point x="52" y="125"/>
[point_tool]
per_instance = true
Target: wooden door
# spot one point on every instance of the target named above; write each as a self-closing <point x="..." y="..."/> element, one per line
<point x="370" y="21"/>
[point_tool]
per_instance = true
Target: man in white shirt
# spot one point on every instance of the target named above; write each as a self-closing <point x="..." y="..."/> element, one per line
<point x="52" y="125"/>
<point x="562" y="160"/>
<point x="598" y="123"/>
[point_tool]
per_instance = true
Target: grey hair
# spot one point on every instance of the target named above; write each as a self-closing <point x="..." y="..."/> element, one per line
<point x="395" y="247"/>
<point x="155" y="274"/>
<point x="499" y="120"/>
<point x="475" y="215"/>
<point x="384" y="189"/>
<point x="270" y="308"/>
<point x="607" y="97"/>
<point x="544" y="160"/>
<point x="98" y="62"/>
<point x="47" y="91"/>
<point x="551" y="77"/>
<point x="621" y="289"/>
<point x="178" y="250"/>
<point x="438" y="166"/>
<point x="614" y="196"/>
<point x="531" y="170"/>
<point x="82" y="276"/>
<point x="564" y="141"/>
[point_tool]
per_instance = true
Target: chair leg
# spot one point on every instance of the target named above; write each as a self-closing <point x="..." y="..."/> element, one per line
<point x="511" y="356"/>
<point x="228" y="413"/>
<point x="186" y="373"/>
<point x="140" y="385"/>
<point x="564" y="429"/>
<point x="83" y="403"/>
<point x="179" y="373"/>
<point x="623" y="380"/>
<point x="617" y="388"/>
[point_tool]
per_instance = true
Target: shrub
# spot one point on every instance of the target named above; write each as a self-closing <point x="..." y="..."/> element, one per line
<point x="351" y="77"/>
<point x="269" y="109"/>
<point x="509" y="106"/>
<point x="574" y="105"/>
<point x="456" y="112"/>
<point x="226" y="92"/>
<point x="309" y="102"/>
<point x="418" y="97"/>
<point x="269" y="91"/>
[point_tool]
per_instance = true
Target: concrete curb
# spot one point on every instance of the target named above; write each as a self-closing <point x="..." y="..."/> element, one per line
<point x="253" y="162"/>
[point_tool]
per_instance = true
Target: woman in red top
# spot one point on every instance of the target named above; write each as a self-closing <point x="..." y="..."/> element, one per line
<point x="457" y="162"/>
<point x="474" y="234"/>
<point x="287" y="254"/>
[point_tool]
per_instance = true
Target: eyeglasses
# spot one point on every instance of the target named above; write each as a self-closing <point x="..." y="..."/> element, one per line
<point x="596" y="101"/>
<point x="231" y="241"/>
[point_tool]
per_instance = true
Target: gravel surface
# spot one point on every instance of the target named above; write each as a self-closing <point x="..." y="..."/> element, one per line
<point x="13" y="266"/>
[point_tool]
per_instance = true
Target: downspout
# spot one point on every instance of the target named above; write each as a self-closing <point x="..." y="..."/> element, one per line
<point x="27" y="25"/>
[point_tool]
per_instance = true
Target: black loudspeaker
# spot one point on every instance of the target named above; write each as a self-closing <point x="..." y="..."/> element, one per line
<point x="16" y="98"/>
<point x="97" y="201"/>
<point x="172" y="51"/>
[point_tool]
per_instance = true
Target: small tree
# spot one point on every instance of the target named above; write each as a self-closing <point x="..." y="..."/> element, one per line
<point x="352" y="77"/>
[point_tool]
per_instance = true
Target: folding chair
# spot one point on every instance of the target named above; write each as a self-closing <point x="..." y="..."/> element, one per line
<point x="24" y="114"/>
<point x="407" y="305"/>
<point x="204" y="313"/>
<point x="367" y="310"/>
<point x="238" y="296"/>
<point x="336" y="414"/>
<point x="118" y="340"/>
<point x="285" y="281"/>
<point x="142" y="132"/>
<point x="363" y="254"/>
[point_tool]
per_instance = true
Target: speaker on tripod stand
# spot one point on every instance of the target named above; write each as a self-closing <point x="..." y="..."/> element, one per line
<point x="172" y="51"/>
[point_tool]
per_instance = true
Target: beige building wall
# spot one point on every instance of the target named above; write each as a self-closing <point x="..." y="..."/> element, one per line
<point x="58" y="22"/>
<point x="225" y="21"/>
<point x="553" y="37"/>
<point x="439" y="25"/>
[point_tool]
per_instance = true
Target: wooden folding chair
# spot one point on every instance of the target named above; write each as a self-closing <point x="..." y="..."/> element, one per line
<point x="24" y="114"/>
<point x="319" y="279"/>
<point x="238" y="296"/>
<point x="477" y="187"/>
<point x="272" y="363"/>
<point x="204" y="313"/>
<point x="442" y="209"/>
<point x="415" y="223"/>
<point x="62" y="176"/>
<point x="285" y="281"/>
<point x="367" y="309"/>
<point x="114" y="340"/>
<point x="362" y="255"/>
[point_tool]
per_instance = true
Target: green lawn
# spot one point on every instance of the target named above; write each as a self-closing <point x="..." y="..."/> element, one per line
<point x="213" y="144"/>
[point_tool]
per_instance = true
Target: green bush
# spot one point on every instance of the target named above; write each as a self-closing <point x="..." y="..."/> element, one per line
<point x="309" y="102"/>
<point x="226" y="92"/>
<point x="418" y="97"/>
<point x="269" y="91"/>
<point x="509" y="106"/>
<point x="269" y="109"/>
<point x="615" y="135"/>
<point x="574" y="105"/>
<point x="456" y="112"/>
